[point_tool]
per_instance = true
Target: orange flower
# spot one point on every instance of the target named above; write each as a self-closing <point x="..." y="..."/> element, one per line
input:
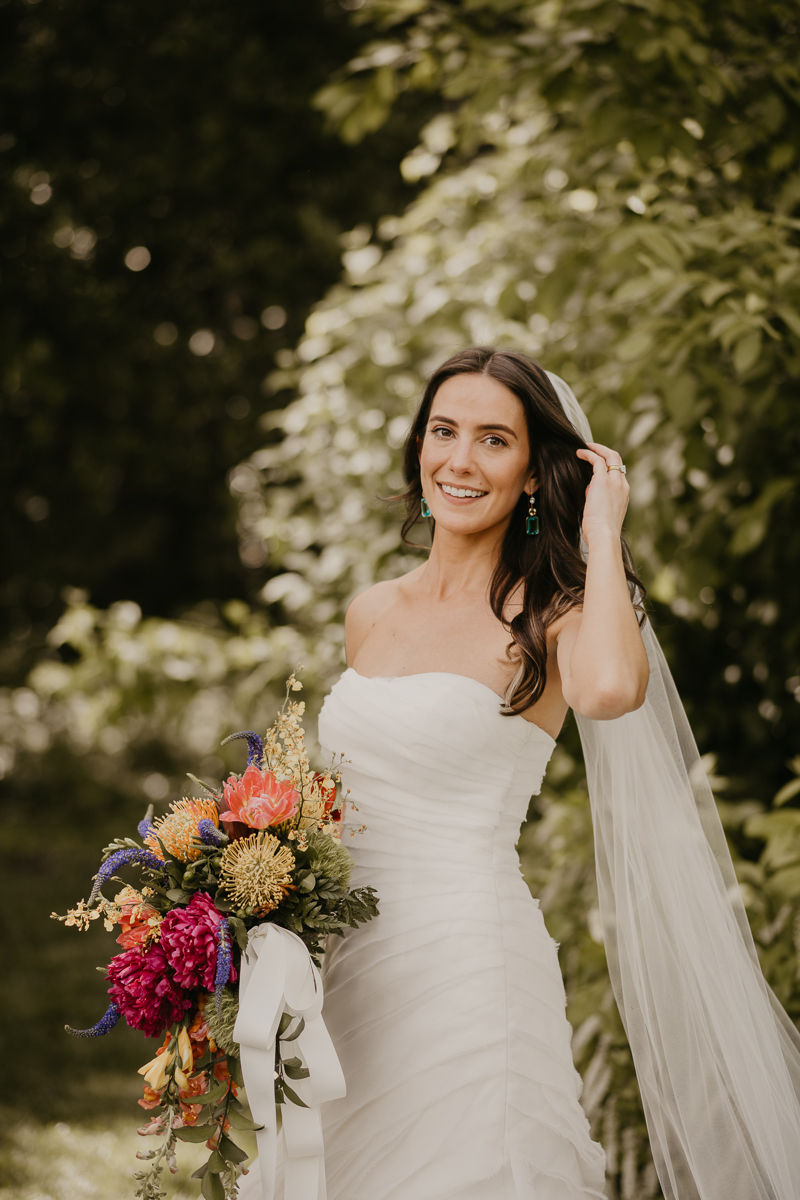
<point x="178" y="830"/>
<point x="327" y="791"/>
<point x="259" y="799"/>
<point x="198" y="1032"/>
<point x="138" y="921"/>
<point x="151" y="1097"/>
<point x="196" y="1087"/>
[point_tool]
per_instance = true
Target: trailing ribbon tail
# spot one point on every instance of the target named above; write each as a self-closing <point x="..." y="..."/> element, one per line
<point x="278" y="976"/>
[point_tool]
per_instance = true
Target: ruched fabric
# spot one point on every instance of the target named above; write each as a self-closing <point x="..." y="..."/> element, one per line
<point x="448" y="1011"/>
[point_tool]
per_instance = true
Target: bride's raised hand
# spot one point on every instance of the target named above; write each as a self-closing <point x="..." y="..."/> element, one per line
<point x="606" y="495"/>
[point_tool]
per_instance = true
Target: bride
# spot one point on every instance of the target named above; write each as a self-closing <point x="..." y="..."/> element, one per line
<point x="448" y="1011"/>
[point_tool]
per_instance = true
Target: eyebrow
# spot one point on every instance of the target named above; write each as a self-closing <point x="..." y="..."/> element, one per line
<point x="494" y="425"/>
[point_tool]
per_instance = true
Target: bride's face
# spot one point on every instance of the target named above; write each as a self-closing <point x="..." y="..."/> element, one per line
<point x="474" y="458"/>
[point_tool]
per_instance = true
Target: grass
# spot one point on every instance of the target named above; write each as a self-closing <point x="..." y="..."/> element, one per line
<point x="61" y="1161"/>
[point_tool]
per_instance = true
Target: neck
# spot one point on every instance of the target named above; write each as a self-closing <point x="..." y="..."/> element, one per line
<point x="462" y="563"/>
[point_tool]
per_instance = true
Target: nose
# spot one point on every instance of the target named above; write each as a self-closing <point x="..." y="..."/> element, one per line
<point x="461" y="456"/>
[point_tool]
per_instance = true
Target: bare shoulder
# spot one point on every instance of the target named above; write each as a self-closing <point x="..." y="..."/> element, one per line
<point x="367" y="608"/>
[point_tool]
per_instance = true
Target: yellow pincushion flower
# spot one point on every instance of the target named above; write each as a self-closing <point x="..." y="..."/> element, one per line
<point x="178" y="830"/>
<point x="256" y="872"/>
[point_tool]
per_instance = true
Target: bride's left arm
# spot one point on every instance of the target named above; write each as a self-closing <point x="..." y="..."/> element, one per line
<point x="601" y="656"/>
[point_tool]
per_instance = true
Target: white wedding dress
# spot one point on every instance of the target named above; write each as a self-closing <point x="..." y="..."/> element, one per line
<point x="448" y="1011"/>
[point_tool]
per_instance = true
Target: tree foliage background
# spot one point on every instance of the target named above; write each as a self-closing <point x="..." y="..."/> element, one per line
<point x="613" y="187"/>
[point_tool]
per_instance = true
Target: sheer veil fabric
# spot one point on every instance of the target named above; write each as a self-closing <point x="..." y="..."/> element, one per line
<point x="716" y="1056"/>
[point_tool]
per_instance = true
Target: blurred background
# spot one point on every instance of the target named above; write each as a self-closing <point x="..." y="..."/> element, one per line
<point x="233" y="240"/>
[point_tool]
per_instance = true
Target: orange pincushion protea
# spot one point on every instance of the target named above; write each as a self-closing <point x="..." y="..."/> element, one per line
<point x="178" y="830"/>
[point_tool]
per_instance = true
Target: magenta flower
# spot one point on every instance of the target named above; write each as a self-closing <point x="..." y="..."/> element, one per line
<point x="189" y="939"/>
<point x="144" y="989"/>
<point x="258" y="799"/>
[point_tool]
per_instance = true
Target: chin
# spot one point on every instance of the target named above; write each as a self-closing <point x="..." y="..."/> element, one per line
<point x="463" y="524"/>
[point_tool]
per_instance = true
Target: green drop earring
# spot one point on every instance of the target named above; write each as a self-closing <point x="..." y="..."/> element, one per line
<point x="426" y="512"/>
<point x="532" y="522"/>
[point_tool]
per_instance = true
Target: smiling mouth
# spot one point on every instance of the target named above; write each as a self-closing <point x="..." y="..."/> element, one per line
<point x="461" y="493"/>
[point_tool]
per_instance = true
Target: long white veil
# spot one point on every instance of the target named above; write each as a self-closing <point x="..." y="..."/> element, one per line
<point x="716" y="1056"/>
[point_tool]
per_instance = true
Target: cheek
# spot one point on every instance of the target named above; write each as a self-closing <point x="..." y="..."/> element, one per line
<point x="432" y="455"/>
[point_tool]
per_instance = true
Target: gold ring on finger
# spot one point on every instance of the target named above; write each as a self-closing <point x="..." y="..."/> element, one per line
<point x="618" y="467"/>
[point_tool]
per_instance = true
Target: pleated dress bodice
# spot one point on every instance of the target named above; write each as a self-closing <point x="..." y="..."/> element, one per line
<point x="448" y="1010"/>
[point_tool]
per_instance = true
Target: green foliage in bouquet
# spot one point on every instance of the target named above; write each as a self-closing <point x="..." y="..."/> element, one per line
<point x="262" y="848"/>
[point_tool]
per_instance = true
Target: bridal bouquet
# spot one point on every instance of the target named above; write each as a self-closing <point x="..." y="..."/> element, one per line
<point x="265" y="847"/>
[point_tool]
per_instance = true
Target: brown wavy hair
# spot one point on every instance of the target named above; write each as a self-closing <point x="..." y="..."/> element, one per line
<point x="550" y="566"/>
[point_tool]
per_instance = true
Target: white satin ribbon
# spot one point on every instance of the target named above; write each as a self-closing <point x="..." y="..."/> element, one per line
<point x="278" y="976"/>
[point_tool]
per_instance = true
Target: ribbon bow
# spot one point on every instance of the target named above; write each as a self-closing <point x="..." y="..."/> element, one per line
<point x="278" y="976"/>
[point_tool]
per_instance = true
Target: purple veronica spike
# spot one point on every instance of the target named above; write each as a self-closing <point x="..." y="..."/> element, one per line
<point x="255" y="746"/>
<point x="210" y="834"/>
<point x="224" y="963"/>
<point x="121" y="858"/>
<point x="103" y="1026"/>
<point x="146" y="827"/>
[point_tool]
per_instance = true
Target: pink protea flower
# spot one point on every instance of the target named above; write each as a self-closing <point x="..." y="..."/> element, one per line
<point x="144" y="989"/>
<point x="258" y="799"/>
<point x="190" y="940"/>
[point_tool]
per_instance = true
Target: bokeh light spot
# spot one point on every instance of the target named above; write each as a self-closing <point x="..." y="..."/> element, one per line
<point x="202" y="342"/>
<point x="137" y="258"/>
<point x="273" y="317"/>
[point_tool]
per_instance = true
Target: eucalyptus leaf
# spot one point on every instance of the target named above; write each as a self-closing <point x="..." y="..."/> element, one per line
<point x="290" y="1037"/>
<point x="235" y="1070"/>
<point x="296" y="1072"/>
<point x="238" y="1120"/>
<point x="293" y="1096"/>
<point x="216" y="1163"/>
<point x="212" y="1096"/>
<point x="230" y="1151"/>
<point x="212" y="1187"/>
<point x="195" y="1133"/>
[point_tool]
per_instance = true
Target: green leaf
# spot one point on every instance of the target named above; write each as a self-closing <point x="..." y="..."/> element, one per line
<point x="201" y="1172"/>
<point x="211" y="1097"/>
<point x="787" y="792"/>
<point x="752" y="521"/>
<point x="239" y="1121"/>
<point x="290" y="1037"/>
<point x="294" y="1068"/>
<point x="195" y="1133"/>
<point x="239" y="931"/>
<point x="747" y="351"/>
<point x="293" y="1072"/>
<point x="235" y="1070"/>
<point x="293" y="1096"/>
<point x="212" y="1187"/>
<point x="179" y="896"/>
<point x="216" y="1163"/>
<point x="791" y="318"/>
<point x="231" y="1152"/>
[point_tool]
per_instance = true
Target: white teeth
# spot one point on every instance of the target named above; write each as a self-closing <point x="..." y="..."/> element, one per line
<point x="460" y="492"/>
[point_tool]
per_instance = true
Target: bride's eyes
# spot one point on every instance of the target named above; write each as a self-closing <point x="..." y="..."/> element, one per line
<point x="446" y="433"/>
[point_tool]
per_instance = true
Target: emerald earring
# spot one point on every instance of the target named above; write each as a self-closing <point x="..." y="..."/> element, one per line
<point x="532" y="521"/>
<point x="426" y="512"/>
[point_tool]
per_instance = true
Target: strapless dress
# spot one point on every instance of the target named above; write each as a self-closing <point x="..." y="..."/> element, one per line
<point x="448" y="1010"/>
